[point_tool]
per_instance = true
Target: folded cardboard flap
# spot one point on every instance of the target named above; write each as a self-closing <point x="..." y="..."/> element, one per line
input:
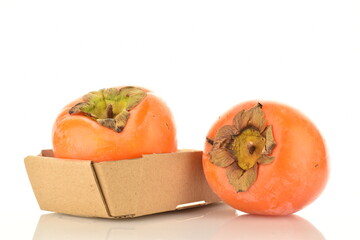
<point x="65" y="186"/>
<point x="117" y="189"/>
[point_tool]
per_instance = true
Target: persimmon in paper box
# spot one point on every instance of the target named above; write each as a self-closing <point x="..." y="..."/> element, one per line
<point x="119" y="189"/>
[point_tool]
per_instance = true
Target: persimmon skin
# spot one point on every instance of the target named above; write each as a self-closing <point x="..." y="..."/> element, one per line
<point x="150" y="129"/>
<point x="293" y="180"/>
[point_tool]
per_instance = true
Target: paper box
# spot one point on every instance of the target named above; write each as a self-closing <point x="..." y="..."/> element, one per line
<point x="119" y="189"/>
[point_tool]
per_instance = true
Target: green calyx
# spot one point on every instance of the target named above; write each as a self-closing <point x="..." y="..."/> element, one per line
<point x="110" y="107"/>
<point x="243" y="146"/>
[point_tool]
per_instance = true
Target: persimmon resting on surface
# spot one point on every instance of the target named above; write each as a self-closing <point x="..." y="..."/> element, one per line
<point x="114" y="124"/>
<point x="265" y="158"/>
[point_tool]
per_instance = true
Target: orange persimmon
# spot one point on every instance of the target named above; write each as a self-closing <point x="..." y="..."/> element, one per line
<point x="265" y="158"/>
<point x="114" y="124"/>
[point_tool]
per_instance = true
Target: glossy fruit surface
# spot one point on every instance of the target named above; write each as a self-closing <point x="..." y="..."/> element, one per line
<point x="293" y="178"/>
<point x="125" y="130"/>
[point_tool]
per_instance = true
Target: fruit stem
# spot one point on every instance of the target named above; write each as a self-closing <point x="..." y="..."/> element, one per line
<point x="251" y="147"/>
<point x="109" y="111"/>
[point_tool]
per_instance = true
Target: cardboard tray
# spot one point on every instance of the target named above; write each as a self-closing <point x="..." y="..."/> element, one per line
<point x="119" y="189"/>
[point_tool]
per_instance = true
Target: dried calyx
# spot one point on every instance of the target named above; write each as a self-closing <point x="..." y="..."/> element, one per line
<point x="110" y="107"/>
<point x="243" y="146"/>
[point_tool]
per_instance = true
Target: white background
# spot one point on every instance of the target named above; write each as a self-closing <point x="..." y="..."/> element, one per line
<point x="201" y="57"/>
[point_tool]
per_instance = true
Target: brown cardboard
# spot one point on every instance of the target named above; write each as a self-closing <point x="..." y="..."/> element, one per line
<point x="119" y="189"/>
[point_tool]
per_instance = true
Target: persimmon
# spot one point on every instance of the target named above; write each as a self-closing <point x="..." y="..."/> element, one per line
<point x="114" y="124"/>
<point x="265" y="158"/>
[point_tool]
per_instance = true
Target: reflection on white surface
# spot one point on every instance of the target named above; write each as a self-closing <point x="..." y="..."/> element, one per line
<point x="270" y="228"/>
<point x="217" y="221"/>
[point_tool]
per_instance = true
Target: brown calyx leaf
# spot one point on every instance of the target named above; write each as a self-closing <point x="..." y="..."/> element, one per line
<point x="133" y="95"/>
<point x="257" y="118"/>
<point x="269" y="139"/>
<point x="265" y="159"/>
<point x="209" y="141"/>
<point x="224" y="135"/>
<point x="221" y="157"/>
<point x="254" y="117"/>
<point x="107" y="122"/>
<point x="222" y="143"/>
<point x="240" y="179"/>
<point x="77" y="108"/>
<point x="121" y="120"/>
<point x="234" y="173"/>
<point x="238" y="120"/>
<point x="117" y="123"/>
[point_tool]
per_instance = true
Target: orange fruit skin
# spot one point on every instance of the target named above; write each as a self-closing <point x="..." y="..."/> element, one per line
<point x="150" y="129"/>
<point x="293" y="180"/>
